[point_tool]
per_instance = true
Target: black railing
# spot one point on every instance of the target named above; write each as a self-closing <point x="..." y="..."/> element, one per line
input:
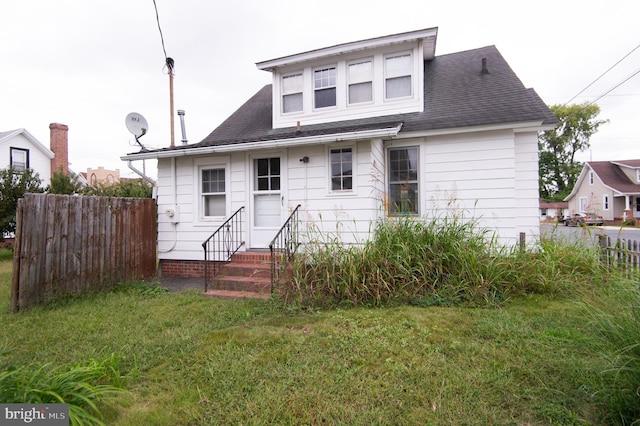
<point x="221" y="245"/>
<point x="284" y="246"/>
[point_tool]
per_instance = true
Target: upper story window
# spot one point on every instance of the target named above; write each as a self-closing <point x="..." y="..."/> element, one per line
<point x="19" y="159"/>
<point x="341" y="169"/>
<point x="324" y="86"/>
<point x="397" y="71"/>
<point x="590" y="178"/>
<point x="638" y="175"/>
<point x="292" y="88"/>
<point x="213" y="193"/>
<point x="360" y="76"/>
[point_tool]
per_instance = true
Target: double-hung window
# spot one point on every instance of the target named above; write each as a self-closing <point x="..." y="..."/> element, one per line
<point x="397" y="69"/>
<point x="213" y="193"/>
<point x="360" y="75"/>
<point x="19" y="159"/>
<point x="324" y="86"/>
<point x="292" y="86"/>
<point x="403" y="180"/>
<point x="341" y="169"/>
<point x="605" y="202"/>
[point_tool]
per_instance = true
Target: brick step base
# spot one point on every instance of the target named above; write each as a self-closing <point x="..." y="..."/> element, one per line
<point x="248" y="274"/>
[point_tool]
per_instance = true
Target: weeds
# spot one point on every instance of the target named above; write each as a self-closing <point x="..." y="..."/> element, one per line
<point x="83" y="387"/>
<point x="439" y="262"/>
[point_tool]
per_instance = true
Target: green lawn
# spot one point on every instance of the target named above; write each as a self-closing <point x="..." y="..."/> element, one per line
<point x="188" y="359"/>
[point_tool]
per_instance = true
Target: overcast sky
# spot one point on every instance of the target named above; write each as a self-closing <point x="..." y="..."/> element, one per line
<point x="87" y="64"/>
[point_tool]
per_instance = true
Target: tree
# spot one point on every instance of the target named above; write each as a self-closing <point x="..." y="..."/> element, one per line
<point x="62" y="183"/>
<point x="559" y="169"/>
<point x="136" y="188"/>
<point x="13" y="185"/>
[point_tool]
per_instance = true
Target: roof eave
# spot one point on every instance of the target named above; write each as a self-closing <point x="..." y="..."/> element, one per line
<point x="389" y="132"/>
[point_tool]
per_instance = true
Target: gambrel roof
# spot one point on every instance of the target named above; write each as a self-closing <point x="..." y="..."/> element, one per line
<point x="457" y="95"/>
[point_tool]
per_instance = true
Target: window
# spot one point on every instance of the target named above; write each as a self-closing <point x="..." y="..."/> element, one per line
<point x="360" y="75"/>
<point x="213" y="192"/>
<point x="324" y="84"/>
<point x="583" y="204"/>
<point x="292" y="93"/>
<point x="590" y="178"/>
<point x="403" y="181"/>
<point x="19" y="159"/>
<point x="397" y="71"/>
<point x="605" y="202"/>
<point x="638" y="175"/>
<point x="341" y="169"/>
<point x="268" y="174"/>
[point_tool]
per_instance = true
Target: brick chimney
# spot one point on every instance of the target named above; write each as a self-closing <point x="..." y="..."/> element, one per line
<point x="60" y="147"/>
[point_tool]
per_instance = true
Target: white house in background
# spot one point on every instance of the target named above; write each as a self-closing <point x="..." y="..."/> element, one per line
<point x="21" y="150"/>
<point x="609" y="188"/>
<point x="358" y="132"/>
<point x="553" y="211"/>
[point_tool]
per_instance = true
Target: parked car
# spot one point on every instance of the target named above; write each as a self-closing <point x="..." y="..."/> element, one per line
<point x="583" y="219"/>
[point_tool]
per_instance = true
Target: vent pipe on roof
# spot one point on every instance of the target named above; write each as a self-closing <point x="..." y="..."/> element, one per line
<point x="184" y="132"/>
<point x="484" y="70"/>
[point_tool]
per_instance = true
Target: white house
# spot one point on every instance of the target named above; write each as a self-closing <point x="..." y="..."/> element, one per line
<point x="609" y="188"/>
<point x="357" y="132"/>
<point x="21" y="150"/>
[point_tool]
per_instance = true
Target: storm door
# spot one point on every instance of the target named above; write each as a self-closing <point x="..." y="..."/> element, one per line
<point x="268" y="199"/>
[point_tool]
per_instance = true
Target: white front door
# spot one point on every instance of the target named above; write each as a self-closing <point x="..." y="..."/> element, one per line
<point x="267" y="199"/>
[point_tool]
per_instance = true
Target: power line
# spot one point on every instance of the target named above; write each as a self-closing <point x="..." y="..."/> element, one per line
<point x="168" y="61"/>
<point x="614" y="87"/>
<point x="601" y="75"/>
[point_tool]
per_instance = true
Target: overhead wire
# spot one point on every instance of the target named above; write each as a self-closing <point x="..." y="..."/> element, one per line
<point x="168" y="61"/>
<point x="602" y="75"/>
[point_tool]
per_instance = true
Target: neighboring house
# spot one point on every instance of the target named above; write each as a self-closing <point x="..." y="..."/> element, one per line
<point x="102" y="176"/>
<point x="553" y="211"/>
<point x="358" y="132"/>
<point x="609" y="188"/>
<point x="21" y="150"/>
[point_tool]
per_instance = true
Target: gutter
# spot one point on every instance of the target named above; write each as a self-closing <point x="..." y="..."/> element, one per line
<point x="138" y="172"/>
<point x="278" y="143"/>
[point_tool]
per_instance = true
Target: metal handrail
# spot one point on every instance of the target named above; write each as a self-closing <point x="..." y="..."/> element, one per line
<point x="221" y="245"/>
<point x="284" y="245"/>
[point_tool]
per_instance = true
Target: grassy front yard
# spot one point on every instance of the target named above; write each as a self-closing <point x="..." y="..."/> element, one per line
<point x="186" y="359"/>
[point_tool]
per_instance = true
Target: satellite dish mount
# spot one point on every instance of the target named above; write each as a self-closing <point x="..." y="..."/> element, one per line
<point x="137" y="125"/>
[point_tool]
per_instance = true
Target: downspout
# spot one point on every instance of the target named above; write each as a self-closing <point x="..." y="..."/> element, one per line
<point x="142" y="175"/>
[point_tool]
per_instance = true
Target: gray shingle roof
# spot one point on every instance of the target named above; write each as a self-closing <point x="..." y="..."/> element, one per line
<point x="456" y="95"/>
<point x="612" y="176"/>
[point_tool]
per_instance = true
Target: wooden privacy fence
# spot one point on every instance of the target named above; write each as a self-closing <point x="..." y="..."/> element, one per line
<point x="622" y="253"/>
<point x="71" y="244"/>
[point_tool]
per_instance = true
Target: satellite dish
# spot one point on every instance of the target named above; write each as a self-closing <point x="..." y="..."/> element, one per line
<point x="136" y="124"/>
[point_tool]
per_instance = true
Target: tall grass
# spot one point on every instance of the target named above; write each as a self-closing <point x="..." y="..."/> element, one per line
<point x="444" y="261"/>
<point x="83" y="387"/>
<point x="616" y="320"/>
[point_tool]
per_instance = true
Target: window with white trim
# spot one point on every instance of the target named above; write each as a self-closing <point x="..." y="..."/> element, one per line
<point x="397" y="72"/>
<point x="19" y="159"/>
<point x="341" y="169"/>
<point x="590" y="178"/>
<point x="583" y="204"/>
<point x="360" y="78"/>
<point x="213" y="192"/>
<point x="292" y="87"/>
<point x="403" y="180"/>
<point x="324" y="86"/>
<point x="605" y="202"/>
<point x="638" y="175"/>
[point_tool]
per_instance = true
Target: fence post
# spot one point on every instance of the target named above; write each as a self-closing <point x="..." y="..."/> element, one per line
<point x="522" y="241"/>
<point x="602" y="243"/>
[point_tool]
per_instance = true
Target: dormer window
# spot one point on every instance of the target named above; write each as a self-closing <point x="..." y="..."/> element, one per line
<point x="324" y="86"/>
<point x="638" y="175"/>
<point x="360" y="77"/>
<point x="397" y="71"/>
<point x="292" y="93"/>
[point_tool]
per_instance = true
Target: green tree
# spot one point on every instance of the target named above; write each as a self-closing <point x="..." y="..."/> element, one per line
<point x="13" y="185"/>
<point x="62" y="183"/>
<point x="136" y="188"/>
<point x="559" y="169"/>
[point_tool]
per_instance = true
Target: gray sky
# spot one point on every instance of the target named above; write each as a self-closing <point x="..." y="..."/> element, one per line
<point x="87" y="64"/>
